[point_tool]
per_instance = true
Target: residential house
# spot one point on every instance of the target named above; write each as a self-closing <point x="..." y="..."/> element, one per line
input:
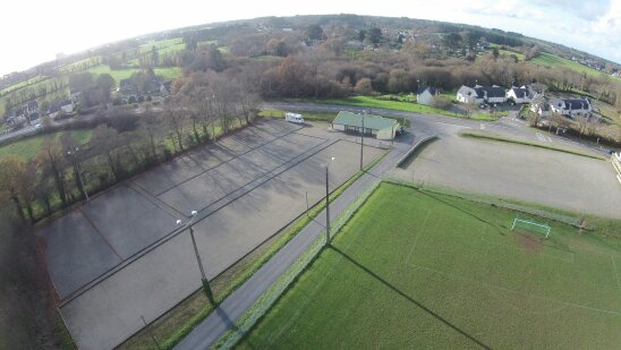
<point x="426" y="95"/>
<point x="378" y="126"/>
<point x="493" y="94"/>
<point x="66" y="106"/>
<point x="466" y="94"/>
<point x="166" y="88"/>
<point x="571" y="107"/>
<point x="480" y="94"/>
<point x="520" y="94"/>
<point x="540" y="106"/>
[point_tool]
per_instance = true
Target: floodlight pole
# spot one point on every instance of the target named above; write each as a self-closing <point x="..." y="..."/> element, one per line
<point x="328" y="203"/>
<point x="362" y="143"/>
<point x="204" y="280"/>
<point x="327" y="209"/>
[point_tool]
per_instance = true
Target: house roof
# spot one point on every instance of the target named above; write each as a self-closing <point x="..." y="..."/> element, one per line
<point x="422" y="89"/>
<point x="520" y="92"/>
<point x="492" y="91"/>
<point x="576" y="104"/>
<point x="571" y="104"/>
<point x="371" y="121"/>
<point x="466" y="90"/>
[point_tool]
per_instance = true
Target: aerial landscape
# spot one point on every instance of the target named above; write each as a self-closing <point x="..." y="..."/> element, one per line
<point x="312" y="176"/>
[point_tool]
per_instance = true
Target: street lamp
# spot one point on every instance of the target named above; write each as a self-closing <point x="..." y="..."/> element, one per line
<point x="205" y="282"/>
<point x="73" y="153"/>
<point x="326" y="165"/>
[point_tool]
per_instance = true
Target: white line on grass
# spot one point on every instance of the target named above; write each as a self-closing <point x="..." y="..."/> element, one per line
<point x="420" y="232"/>
<point x="612" y="312"/>
<point x="614" y="265"/>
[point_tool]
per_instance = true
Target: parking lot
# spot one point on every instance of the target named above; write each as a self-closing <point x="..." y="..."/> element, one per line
<point x="122" y="256"/>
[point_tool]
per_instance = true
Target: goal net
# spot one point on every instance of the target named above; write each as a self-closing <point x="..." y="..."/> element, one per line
<point x="531" y="226"/>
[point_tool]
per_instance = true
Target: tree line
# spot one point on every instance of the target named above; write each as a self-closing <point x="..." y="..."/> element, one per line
<point x="124" y="142"/>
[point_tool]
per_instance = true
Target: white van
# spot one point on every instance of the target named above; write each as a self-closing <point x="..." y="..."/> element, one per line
<point x="294" y="118"/>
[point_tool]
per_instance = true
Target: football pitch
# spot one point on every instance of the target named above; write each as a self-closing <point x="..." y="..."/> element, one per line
<point x="415" y="269"/>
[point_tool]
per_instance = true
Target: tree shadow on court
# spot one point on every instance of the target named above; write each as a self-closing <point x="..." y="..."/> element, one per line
<point x="462" y="210"/>
<point x="408" y="298"/>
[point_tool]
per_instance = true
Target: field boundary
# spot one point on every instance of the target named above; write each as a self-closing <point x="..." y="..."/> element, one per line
<point x="494" y="201"/>
<point x="500" y="138"/>
<point x="248" y="320"/>
<point x="414" y="147"/>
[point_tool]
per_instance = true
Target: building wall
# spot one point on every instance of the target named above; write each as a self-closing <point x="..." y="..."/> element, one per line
<point x="425" y="98"/>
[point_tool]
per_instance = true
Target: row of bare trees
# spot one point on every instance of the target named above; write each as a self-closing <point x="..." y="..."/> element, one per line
<point x="125" y="142"/>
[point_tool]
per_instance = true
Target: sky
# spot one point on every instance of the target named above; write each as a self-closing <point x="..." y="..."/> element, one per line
<point x="34" y="31"/>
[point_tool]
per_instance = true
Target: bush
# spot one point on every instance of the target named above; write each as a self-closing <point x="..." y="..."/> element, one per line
<point x="442" y="102"/>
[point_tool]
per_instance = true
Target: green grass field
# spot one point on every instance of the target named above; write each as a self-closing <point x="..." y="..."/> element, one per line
<point x="414" y="269"/>
<point x="549" y="60"/>
<point x="119" y="74"/>
<point x="28" y="148"/>
<point x="376" y="102"/>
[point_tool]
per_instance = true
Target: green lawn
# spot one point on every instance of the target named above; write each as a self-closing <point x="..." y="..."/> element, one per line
<point x="416" y="270"/>
<point x="549" y="60"/>
<point x="120" y="74"/>
<point x="28" y="148"/>
<point x="381" y="103"/>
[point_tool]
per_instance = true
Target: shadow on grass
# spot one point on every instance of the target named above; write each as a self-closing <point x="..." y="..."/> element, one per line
<point x="408" y="298"/>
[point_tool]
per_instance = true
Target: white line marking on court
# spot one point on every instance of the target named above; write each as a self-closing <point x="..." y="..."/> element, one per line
<point x="453" y="125"/>
<point x="614" y="265"/>
<point x="612" y="312"/>
<point x="420" y="232"/>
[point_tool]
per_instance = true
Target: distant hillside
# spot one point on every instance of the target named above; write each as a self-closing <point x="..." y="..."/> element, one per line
<point x="165" y="53"/>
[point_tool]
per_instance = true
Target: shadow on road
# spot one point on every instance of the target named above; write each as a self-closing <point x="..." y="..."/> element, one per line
<point x="408" y="298"/>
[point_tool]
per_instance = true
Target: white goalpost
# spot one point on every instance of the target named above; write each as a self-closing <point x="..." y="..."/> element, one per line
<point x="523" y="224"/>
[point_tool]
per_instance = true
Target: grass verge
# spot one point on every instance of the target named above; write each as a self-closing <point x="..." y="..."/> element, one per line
<point x="285" y="281"/>
<point x="500" y="138"/>
<point x="177" y="323"/>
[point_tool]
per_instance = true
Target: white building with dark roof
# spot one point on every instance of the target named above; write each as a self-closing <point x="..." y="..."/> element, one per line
<point x="571" y="107"/>
<point x="519" y="94"/>
<point x="426" y="95"/>
<point x="480" y="94"/>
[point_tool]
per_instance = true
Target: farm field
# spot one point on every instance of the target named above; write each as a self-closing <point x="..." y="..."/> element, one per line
<point x="415" y="269"/>
<point x="118" y="75"/>
<point x="549" y="60"/>
<point x="28" y="148"/>
<point x="374" y="102"/>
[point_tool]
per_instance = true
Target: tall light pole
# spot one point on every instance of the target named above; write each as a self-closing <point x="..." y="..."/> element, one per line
<point x="204" y="281"/>
<point x="328" y="202"/>
<point x="364" y="113"/>
<point x="74" y="154"/>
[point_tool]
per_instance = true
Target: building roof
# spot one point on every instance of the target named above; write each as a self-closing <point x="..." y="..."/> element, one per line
<point x="491" y="91"/>
<point x="571" y="104"/>
<point x="520" y="92"/>
<point x="371" y="121"/>
<point x="422" y="89"/>
<point x="576" y="104"/>
<point x="462" y="90"/>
